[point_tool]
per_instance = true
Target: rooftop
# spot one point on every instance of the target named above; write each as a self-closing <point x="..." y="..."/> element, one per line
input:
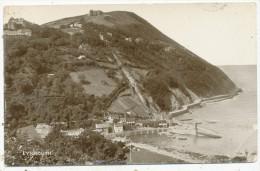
<point x="103" y="125"/>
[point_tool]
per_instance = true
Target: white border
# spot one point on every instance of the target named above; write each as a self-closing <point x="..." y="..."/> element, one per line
<point x="182" y="167"/>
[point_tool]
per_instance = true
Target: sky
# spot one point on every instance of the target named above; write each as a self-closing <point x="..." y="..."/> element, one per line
<point x="220" y="33"/>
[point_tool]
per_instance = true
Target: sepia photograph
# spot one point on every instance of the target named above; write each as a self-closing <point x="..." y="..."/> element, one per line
<point x="130" y="84"/>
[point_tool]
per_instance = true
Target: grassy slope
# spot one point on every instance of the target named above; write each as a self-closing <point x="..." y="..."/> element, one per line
<point x="99" y="82"/>
<point x="183" y="67"/>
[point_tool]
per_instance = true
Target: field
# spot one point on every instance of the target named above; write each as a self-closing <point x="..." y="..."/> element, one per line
<point x="127" y="103"/>
<point x="99" y="82"/>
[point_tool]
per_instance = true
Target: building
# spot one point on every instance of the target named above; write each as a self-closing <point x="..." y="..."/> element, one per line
<point x="101" y="36"/>
<point x="19" y="32"/>
<point x="104" y="127"/>
<point x="130" y="121"/>
<point x="43" y="129"/>
<point x="15" y="23"/>
<point x="50" y="75"/>
<point x="144" y="123"/>
<point x="163" y="124"/>
<point x="73" y="132"/>
<point x="122" y="120"/>
<point x="137" y="40"/>
<point x="76" y="24"/>
<point x="81" y="57"/>
<point x="62" y="124"/>
<point x="118" y="128"/>
<point x="128" y="39"/>
<point x="96" y="13"/>
<point x="29" y="133"/>
<point x="113" y="117"/>
<point x="109" y="34"/>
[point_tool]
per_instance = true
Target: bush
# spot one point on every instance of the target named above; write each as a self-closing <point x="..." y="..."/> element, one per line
<point x="238" y="159"/>
<point x="85" y="82"/>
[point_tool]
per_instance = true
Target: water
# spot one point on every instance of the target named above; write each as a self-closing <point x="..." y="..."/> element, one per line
<point x="236" y="121"/>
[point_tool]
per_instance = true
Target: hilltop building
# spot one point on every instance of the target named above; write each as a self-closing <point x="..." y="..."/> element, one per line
<point x="76" y="25"/>
<point x="96" y="13"/>
<point x="14" y="24"/>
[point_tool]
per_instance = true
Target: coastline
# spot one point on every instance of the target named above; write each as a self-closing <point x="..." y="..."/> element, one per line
<point x="198" y="102"/>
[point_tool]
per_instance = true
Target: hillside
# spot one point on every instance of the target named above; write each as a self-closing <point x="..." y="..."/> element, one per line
<point x="117" y="62"/>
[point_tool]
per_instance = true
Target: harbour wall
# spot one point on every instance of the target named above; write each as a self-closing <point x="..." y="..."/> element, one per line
<point x="185" y="108"/>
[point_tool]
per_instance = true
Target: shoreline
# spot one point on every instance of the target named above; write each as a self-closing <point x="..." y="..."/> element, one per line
<point x="198" y="102"/>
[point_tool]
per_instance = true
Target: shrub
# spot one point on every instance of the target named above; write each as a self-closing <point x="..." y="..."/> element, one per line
<point x="85" y="82"/>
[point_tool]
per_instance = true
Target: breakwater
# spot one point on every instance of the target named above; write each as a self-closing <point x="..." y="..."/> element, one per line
<point x="185" y="108"/>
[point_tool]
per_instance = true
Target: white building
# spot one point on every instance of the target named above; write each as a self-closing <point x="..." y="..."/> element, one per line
<point x="19" y="32"/>
<point x="101" y="36"/>
<point x="81" y="57"/>
<point x="138" y="40"/>
<point x="43" y="129"/>
<point x="109" y="34"/>
<point x="74" y="132"/>
<point x="118" y="128"/>
<point x="129" y="39"/>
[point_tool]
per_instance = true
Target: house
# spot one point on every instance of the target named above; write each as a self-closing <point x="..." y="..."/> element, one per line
<point x="61" y="125"/>
<point x="29" y="133"/>
<point x="101" y="36"/>
<point x="72" y="31"/>
<point x="43" y="129"/>
<point x="130" y="121"/>
<point x="14" y="22"/>
<point x="76" y="24"/>
<point x="163" y="124"/>
<point x="104" y="127"/>
<point x="109" y="34"/>
<point x="144" y="123"/>
<point x="137" y="40"/>
<point x="81" y="57"/>
<point x="113" y="117"/>
<point x="122" y="120"/>
<point x="118" y="128"/>
<point x="50" y="75"/>
<point x="74" y="132"/>
<point x="19" y="32"/>
<point x="128" y="39"/>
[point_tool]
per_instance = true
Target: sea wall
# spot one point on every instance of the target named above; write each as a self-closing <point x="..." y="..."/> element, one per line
<point x="185" y="108"/>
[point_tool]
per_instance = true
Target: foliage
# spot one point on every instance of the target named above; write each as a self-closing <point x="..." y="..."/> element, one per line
<point x="62" y="150"/>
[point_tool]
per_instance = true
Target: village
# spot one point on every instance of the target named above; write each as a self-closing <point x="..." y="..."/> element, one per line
<point x="113" y="123"/>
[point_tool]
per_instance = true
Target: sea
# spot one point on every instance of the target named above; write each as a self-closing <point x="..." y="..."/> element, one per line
<point x="235" y="120"/>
